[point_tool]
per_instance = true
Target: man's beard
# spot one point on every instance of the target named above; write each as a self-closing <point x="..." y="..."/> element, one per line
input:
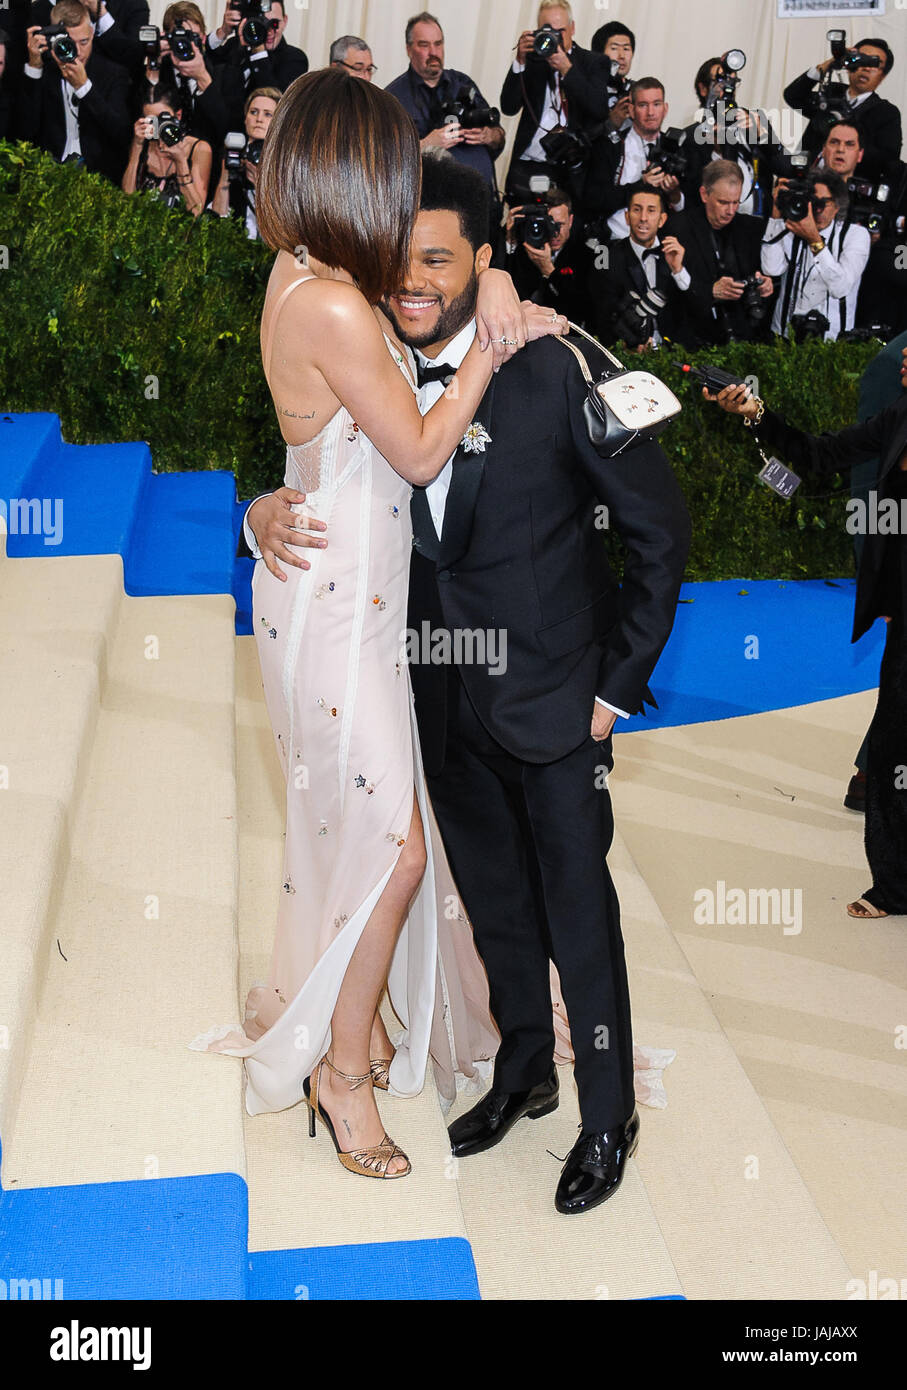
<point x="453" y="317"/>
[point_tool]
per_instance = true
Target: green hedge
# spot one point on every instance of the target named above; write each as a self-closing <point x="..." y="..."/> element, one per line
<point x="103" y="291"/>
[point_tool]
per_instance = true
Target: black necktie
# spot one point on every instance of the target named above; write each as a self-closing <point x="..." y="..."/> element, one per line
<point x="434" y="371"/>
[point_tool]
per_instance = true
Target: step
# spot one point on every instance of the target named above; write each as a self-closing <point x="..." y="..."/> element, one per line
<point x="813" y="1017"/>
<point x="116" y="1116"/>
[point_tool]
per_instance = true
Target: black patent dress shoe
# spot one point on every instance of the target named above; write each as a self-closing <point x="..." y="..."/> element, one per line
<point x="486" y="1123"/>
<point x="595" y="1167"/>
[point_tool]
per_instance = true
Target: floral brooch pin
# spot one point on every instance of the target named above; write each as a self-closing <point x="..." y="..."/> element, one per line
<point x="475" y="438"/>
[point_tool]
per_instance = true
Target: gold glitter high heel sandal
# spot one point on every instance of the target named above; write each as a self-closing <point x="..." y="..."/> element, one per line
<point x="380" y="1069"/>
<point x="370" y="1163"/>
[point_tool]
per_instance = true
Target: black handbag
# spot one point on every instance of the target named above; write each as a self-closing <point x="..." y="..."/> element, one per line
<point x="622" y="408"/>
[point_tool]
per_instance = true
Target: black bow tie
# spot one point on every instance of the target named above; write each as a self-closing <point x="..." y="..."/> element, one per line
<point x="651" y="251"/>
<point x="434" y="371"/>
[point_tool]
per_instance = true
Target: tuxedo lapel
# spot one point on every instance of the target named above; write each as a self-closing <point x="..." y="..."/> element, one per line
<point x="635" y="273"/>
<point x="425" y="537"/>
<point x="466" y="480"/>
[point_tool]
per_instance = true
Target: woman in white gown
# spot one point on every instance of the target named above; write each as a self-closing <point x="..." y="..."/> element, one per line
<point x="337" y="196"/>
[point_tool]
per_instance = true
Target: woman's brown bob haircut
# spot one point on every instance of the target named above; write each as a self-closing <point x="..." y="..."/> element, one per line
<point x="340" y="175"/>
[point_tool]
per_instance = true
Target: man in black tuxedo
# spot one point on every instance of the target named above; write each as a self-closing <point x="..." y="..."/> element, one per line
<point x="723" y="247"/>
<point x="618" y="289"/>
<point x="116" y="33"/>
<point x="555" y="274"/>
<point x="622" y="157"/>
<point x="75" y="109"/>
<point x="274" y="63"/>
<point x="567" y="89"/>
<point x="517" y="758"/>
<point x="880" y="120"/>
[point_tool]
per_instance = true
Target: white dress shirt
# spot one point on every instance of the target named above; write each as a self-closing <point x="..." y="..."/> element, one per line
<point x="436" y="491"/>
<point x="635" y="159"/>
<point x="553" y="114"/>
<point x="822" y="281"/>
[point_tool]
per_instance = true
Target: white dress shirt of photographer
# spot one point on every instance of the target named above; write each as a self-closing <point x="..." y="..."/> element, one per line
<point x="648" y="113"/>
<point x="821" y="258"/>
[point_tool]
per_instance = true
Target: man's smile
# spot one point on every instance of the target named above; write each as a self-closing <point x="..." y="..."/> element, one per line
<point x="414" y="307"/>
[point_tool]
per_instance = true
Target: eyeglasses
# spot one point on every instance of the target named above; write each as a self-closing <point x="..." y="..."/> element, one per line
<point x="361" y="67"/>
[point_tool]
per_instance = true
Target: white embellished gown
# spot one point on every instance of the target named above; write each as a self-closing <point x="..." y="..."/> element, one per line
<point x="331" y="647"/>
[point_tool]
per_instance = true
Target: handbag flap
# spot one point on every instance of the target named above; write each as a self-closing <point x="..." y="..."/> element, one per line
<point x="639" y="400"/>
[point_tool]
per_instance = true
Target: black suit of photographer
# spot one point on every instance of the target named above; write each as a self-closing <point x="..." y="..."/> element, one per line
<point x="765" y="162"/>
<point x="276" y="67"/>
<point x="104" y="116"/>
<point x="584" y="90"/>
<point x="883" y="288"/>
<point x="880" y="124"/>
<point x="734" y="250"/>
<point x="565" y="289"/>
<point x="608" y="288"/>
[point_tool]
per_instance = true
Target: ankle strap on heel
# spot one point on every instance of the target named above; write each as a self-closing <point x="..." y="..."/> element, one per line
<point x="354" y="1081"/>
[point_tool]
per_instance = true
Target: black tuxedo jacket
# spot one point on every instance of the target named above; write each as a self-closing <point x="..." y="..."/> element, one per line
<point x="277" y="68"/>
<point x="743" y="243"/>
<point x="215" y="111"/>
<point x="880" y="122"/>
<point x="566" y="289"/>
<point x="521" y="553"/>
<point x="585" y="88"/>
<point x="607" y="289"/>
<point x="105" y="119"/>
<point x="883" y="436"/>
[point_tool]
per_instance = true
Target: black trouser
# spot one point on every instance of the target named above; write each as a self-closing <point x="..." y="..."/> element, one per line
<point x="886" y="779"/>
<point x="527" y="845"/>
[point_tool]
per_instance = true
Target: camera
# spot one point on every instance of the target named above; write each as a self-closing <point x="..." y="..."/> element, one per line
<point x="568" y="147"/>
<point x="546" y="41"/>
<point x="620" y="86"/>
<point x="169" y="130"/>
<point x="534" y="226"/>
<point x="811" y="325"/>
<point x="637" y="317"/>
<point x="467" y="111"/>
<point x="847" y="59"/>
<point x="751" y="300"/>
<point x="184" y="43"/>
<point x="724" y="84"/>
<point x="868" y="203"/>
<point x="150" y="39"/>
<point x="794" y="200"/>
<point x="667" y="154"/>
<point x="255" y="13"/>
<point x="237" y="147"/>
<point x="59" y="44"/>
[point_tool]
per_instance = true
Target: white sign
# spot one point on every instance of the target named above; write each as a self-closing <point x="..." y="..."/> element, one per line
<point x="794" y="9"/>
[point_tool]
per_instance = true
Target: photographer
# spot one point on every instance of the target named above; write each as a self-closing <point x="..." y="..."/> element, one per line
<point x="724" y="130"/>
<point x="74" y="104"/>
<point x="235" y="194"/>
<point x="211" y="96"/>
<point x="883" y="288"/>
<point x="164" y="159"/>
<point x="261" y="52"/>
<point x="439" y="98"/>
<point x="624" y="157"/>
<point x="617" y="43"/>
<point x="623" y="308"/>
<point x="729" y="294"/>
<point x="554" y="85"/>
<point x="820" y="275"/>
<point x="547" y="263"/>
<point x="881" y="592"/>
<point x="842" y="151"/>
<point x="116" y="28"/>
<point x="880" y="120"/>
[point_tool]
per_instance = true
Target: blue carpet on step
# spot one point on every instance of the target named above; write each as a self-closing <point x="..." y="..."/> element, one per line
<point x="405" y="1270"/>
